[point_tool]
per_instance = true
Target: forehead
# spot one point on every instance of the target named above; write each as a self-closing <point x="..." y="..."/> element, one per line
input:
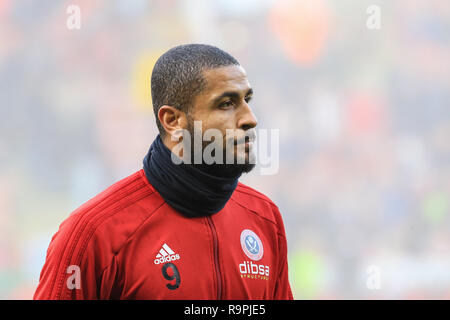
<point x="229" y="78"/>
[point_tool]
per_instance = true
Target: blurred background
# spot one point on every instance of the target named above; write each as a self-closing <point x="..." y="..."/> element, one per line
<point x="360" y="95"/>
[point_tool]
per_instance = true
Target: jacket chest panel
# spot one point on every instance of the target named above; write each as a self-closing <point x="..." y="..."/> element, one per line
<point x="171" y="258"/>
<point x="219" y="257"/>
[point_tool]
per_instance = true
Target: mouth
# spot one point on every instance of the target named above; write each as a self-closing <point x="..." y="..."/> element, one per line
<point x="247" y="140"/>
<point x="248" y="145"/>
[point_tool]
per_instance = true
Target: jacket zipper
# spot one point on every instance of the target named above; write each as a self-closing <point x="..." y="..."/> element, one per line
<point x="216" y="257"/>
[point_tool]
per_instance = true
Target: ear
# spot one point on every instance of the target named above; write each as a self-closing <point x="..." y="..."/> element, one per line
<point x="172" y="119"/>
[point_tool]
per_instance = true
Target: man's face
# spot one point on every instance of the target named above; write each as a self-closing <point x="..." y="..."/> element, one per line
<point x="223" y="105"/>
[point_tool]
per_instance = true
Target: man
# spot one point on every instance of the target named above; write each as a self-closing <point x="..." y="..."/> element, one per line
<point x="186" y="229"/>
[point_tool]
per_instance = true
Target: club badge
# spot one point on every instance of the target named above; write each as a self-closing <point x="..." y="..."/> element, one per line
<point x="251" y="245"/>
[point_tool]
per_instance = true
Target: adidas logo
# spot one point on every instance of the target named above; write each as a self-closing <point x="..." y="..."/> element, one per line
<point x="166" y="254"/>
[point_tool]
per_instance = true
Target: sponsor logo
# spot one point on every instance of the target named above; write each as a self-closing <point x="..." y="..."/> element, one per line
<point x="166" y="254"/>
<point x="251" y="245"/>
<point x="250" y="268"/>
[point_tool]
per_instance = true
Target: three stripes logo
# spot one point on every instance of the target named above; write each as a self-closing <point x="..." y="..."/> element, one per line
<point x="166" y="254"/>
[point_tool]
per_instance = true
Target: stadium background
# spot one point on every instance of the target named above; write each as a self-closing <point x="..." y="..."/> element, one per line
<point x="364" y="179"/>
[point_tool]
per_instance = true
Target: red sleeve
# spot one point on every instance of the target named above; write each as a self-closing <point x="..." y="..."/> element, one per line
<point x="74" y="268"/>
<point x="282" y="288"/>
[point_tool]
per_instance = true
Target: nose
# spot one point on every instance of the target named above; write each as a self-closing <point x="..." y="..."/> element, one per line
<point x="247" y="119"/>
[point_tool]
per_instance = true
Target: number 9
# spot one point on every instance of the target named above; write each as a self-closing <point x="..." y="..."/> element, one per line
<point x="175" y="275"/>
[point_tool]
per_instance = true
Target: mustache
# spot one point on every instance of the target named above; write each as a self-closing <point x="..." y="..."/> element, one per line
<point x="249" y="136"/>
<point x="235" y="137"/>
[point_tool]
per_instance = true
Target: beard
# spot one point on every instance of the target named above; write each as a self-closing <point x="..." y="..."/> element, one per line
<point x="222" y="169"/>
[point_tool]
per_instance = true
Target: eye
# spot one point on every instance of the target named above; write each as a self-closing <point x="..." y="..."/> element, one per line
<point x="227" y="104"/>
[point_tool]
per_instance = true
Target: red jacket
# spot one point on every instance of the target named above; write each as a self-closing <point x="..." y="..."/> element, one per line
<point x="127" y="243"/>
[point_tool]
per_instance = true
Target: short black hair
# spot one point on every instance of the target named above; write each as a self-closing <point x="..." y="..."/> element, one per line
<point x="177" y="75"/>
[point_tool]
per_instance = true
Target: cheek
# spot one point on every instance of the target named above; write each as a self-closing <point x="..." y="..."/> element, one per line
<point x="219" y="120"/>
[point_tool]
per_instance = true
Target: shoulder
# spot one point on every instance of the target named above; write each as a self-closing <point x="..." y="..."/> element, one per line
<point x="126" y="191"/>
<point x="94" y="233"/>
<point x="244" y="189"/>
<point x="119" y="196"/>
<point x="107" y="220"/>
<point x="258" y="203"/>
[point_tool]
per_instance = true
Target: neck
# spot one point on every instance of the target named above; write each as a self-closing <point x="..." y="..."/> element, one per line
<point x="167" y="141"/>
<point x="192" y="190"/>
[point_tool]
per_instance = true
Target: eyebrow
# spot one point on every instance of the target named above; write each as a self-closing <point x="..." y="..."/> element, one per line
<point x="231" y="94"/>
